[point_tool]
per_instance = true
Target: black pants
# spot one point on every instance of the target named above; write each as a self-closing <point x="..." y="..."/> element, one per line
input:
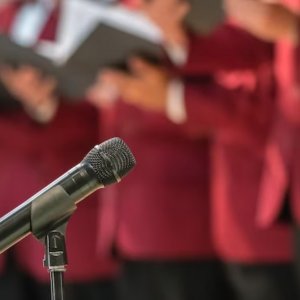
<point x="98" y="290"/>
<point x="297" y="254"/>
<point x="263" y="282"/>
<point x="194" y="280"/>
<point x="15" y="285"/>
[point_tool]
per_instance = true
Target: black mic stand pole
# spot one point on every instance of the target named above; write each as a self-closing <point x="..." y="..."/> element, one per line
<point x="50" y="229"/>
<point x="56" y="261"/>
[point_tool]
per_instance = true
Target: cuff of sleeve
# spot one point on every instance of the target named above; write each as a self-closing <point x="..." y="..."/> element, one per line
<point x="175" y="106"/>
<point x="43" y="113"/>
<point x="178" y="54"/>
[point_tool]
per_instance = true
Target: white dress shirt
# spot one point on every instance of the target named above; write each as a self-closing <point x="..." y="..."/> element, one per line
<point x="175" y="106"/>
<point x="30" y="21"/>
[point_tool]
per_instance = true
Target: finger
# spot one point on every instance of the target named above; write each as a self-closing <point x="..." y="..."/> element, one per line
<point x="4" y="72"/>
<point x="183" y="10"/>
<point x="102" y="95"/>
<point x="116" y="78"/>
<point x="108" y="79"/>
<point x="162" y="8"/>
<point x="140" y="67"/>
<point x="47" y="88"/>
<point x="7" y="76"/>
<point x="128" y="86"/>
<point x="107" y="76"/>
<point x="27" y="76"/>
<point x="51" y="83"/>
<point x="155" y="8"/>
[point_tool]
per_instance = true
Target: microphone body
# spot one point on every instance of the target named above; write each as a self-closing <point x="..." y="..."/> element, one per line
<point x="53" y="205"/>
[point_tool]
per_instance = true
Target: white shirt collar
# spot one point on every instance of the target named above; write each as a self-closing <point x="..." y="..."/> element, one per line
<point x="30" y="21"/>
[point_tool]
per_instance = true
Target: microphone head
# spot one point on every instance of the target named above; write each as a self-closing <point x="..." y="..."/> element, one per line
<point x="111" y="160"/>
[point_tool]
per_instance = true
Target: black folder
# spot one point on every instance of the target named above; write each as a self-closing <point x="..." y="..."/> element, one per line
<point x="106" y="46"/>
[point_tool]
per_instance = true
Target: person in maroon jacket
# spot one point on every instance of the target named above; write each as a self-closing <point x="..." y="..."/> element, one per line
<point x="40" y="140"/>
<point x="279" y="197"/>
<point x="158" y="221"/>
<point x="237" y="107"/>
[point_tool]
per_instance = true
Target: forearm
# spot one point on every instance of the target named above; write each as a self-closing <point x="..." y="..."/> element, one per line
<point x="268" y="21"/>
<point x="43" y="112"/>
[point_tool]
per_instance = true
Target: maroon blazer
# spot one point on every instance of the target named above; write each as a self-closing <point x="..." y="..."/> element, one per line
<point x="218" y="51"/>
<point x="240" y="116"/>
<point x="32" y="155"/>
<point x="282" y="168"/>
<point x="161" y="211"/>
<point x="281" y="172"/>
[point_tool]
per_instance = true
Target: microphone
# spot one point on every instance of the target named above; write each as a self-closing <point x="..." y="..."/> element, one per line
<point x="105" y="164"/>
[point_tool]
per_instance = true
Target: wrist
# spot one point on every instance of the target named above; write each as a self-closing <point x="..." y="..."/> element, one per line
<point x="43" y="112"/>
<point x="176" y="37"/>
<point x="175" y="104"/>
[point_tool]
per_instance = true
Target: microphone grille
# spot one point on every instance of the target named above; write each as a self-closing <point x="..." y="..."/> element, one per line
<point x="111" y="160"/>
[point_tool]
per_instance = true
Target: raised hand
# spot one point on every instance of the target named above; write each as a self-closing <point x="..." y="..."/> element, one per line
<point x="144" y="87"/>
<point x="266" y="19"/>
<point x="30" y="87"/>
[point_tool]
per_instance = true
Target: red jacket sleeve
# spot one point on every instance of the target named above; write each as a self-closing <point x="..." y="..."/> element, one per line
<point x="7" y="14"/>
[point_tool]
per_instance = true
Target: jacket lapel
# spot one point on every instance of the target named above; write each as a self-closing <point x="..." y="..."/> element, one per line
<point x="7" y="16"/>
<point x="8" y="13"/>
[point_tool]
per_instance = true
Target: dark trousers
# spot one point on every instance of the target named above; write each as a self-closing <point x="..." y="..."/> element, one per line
<point x="98" y="290"/>
<point x="297" y="254"/>
<point x="15" y="285"/>
<point x="266" y="281"/>
<point x="263" y="282"/>
<point x="192" y="280"/>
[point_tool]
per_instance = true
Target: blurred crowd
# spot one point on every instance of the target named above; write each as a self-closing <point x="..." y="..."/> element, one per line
<point x="212" y="209"/>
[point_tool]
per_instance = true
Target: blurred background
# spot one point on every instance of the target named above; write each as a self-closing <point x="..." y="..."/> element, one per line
<point x="206" y="95"/>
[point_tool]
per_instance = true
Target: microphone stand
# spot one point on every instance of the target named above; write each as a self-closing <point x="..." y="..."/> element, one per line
<point x="56" y="260"/>
<point x="50" y="229"/>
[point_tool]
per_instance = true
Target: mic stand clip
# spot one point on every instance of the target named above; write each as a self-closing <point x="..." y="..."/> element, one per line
<point x="56" y="261"/>
<point x="50" y="229"/>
